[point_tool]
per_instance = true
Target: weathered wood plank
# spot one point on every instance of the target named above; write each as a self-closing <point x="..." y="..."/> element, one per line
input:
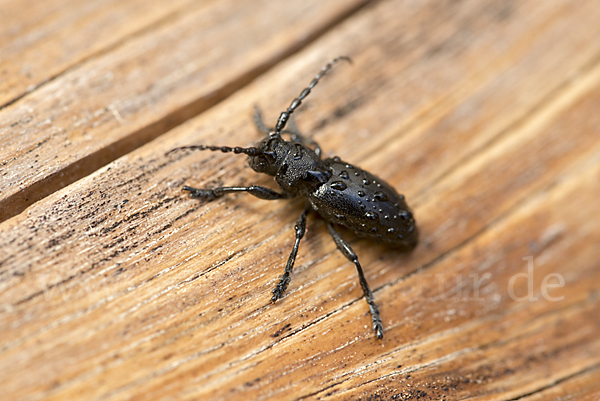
<point x="110" y="104"/>
<point x="120" y="287"/>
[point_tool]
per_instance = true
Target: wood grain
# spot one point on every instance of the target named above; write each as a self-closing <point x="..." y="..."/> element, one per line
<point x="41" y="40"/>
<point x="483" y="113"/>
<point x="145" y="84"/>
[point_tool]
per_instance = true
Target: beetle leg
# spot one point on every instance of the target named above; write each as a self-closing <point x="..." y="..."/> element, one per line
<point x="296" y="135"/>
<point x="300" y="228"/>
<point x="345" y="248"/>
<point x="258" y="121"/>
<point x="256" y="190"/>
<point x="262" y="127"/>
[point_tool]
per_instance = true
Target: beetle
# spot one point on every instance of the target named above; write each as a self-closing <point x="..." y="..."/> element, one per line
<point x="340" y="192"/>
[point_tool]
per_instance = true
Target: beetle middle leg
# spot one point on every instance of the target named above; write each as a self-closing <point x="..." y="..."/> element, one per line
<point x="256" y="190"/>
<point x="300" y="229"/>
<point x="345" y="248"/>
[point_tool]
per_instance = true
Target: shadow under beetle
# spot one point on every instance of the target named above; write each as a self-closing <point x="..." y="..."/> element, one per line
<point x="340" y="192"/>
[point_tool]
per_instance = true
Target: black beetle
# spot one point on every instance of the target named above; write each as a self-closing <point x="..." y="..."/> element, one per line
<point x="340" y="192"/>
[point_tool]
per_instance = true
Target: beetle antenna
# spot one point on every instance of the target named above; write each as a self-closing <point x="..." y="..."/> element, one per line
<point x="283" y="117"/>
<point x="225" y="149"/>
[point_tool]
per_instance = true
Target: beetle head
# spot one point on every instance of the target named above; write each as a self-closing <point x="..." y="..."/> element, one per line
<point x="273" y="151"/>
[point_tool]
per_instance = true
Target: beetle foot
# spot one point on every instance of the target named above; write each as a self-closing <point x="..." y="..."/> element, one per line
<point x="378" y="327"/>
<point x="280" y="287"/>
<point x="203" y="194"/>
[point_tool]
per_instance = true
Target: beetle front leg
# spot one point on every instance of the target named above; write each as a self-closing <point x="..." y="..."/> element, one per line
<point x="296" y="135"/>
<point x="345" y="248"/>
<point x="256" y="190"/>
<point x="300" y="228"/>
<point x="258" y="121"/>
<point x="262" y="127"/>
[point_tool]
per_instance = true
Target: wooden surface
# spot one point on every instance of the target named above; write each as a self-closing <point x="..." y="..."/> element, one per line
<point x="115" y="285"/>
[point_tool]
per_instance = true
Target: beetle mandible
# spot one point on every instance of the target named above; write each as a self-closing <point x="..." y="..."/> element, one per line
<point x="341" y="193"/>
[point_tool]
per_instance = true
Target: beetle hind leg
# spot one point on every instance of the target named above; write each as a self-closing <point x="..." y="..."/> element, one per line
<point x="347" y="251"/>
<point x="300" y="229"/>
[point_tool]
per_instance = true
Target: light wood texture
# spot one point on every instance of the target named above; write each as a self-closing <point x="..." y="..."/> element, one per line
<point x="483" y="113"/>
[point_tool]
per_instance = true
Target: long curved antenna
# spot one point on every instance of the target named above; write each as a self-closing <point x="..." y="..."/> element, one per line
<point x="283" y="117"/>
<point x="225" y="149"/>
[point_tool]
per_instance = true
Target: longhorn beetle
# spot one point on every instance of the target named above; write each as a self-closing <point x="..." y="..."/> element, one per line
<point x="341" y="193"/>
